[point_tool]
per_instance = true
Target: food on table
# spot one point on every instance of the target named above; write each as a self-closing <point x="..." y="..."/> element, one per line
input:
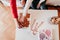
<point x="55" y="20"/>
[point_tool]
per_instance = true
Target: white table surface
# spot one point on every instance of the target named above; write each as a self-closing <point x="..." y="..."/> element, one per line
<point x="40" y="15"/>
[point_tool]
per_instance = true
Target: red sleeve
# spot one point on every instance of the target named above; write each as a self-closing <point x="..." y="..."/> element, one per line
<point x="14" y="8"/>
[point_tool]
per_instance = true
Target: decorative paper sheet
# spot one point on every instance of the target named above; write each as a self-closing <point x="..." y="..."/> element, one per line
<point x="46" y="30"/>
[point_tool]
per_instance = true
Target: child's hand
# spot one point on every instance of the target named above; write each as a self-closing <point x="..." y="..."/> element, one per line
<point x="23" y="20"/>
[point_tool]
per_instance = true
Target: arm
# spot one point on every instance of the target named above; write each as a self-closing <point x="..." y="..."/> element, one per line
<point x="14" y="8"/>
<point x="19" y="23"/>
<point x="14" y="11"/>
<point x="40" y="3"/>
<point x="28" y="3"/>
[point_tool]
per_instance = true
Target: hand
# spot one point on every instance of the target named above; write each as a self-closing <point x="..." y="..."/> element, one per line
<point x="23" y="20"/>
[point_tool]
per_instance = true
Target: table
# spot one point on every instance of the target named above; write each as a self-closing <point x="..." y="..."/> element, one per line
<point x="40" y="15"/>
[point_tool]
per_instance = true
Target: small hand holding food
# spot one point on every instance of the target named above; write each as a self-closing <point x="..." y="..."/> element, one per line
<point x="23" y="20"/>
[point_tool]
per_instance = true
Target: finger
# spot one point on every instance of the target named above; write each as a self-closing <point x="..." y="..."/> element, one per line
<point x="20" y="25"/>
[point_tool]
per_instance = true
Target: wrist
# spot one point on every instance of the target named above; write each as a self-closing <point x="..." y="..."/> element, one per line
<point x="24" y="12"/>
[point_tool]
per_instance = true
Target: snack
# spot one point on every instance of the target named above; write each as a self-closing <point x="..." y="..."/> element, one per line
<point x="55" y="20"/>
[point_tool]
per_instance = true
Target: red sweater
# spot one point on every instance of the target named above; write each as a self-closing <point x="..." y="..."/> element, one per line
<point x="14" y="8"/>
